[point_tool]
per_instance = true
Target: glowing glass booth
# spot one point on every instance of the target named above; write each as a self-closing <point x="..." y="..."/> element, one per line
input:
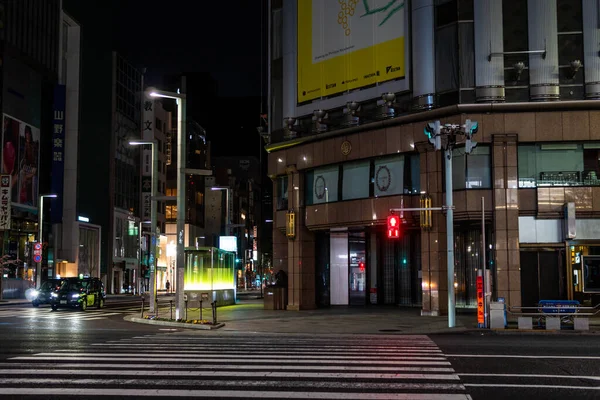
<point x="209" y="275"/>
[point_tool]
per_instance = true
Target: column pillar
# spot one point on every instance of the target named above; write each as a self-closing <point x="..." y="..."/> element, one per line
<point x="506" y="219"/>
<point x="489" y="73"/>
<point x="301" y="249"/>
<point x="423" y="58"/>
<point x="543" y="71"/>
<point x="433" y="241"/>
<point x="591" y="38"/>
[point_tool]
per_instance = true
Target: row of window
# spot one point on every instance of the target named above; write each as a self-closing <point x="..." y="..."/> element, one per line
<point x="539" y="165"/>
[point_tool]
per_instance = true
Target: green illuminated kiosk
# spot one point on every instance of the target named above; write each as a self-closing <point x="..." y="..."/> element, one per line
<point x="209" y="275"/>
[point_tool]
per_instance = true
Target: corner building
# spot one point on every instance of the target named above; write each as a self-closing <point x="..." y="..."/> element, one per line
<point x="346" y="144"/>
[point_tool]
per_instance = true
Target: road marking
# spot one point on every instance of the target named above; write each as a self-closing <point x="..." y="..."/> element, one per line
<point x="594" y="378"/>
<point x="259" y="394"/>
<point x="233" y="367"/>
<point x="227" y="361"/>
<point x="218" y="355"/>
<point x="272" y="347"/>
<point x="220" y="373"/>
<point x="522" y="356"/>
<point x="515" y="385"/>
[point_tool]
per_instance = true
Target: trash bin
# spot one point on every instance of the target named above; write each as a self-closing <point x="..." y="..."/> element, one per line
<point x="269" y="299"/>
<point x="276" y="294"/>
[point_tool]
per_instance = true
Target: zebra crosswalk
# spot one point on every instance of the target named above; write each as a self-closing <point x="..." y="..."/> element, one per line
<point x="46" y="313"/>
<point x="207" y="366"/>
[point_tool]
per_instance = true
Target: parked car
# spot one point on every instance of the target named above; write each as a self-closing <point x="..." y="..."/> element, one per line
<point x="79" y="293"/>
<point x="42" y="294"/>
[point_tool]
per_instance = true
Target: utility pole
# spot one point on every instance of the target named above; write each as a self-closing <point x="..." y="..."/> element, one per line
<point x="435" y="132"/>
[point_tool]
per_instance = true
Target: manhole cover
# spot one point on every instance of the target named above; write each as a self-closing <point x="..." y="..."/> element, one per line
<point x="389" y="330"/>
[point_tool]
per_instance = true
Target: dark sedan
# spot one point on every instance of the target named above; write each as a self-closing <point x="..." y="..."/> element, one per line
<point x="79" y="293"/>
<point x="42" y="295"/>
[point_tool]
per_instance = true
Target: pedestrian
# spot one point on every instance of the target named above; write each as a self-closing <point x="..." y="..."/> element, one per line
<point x="168" y="286"/>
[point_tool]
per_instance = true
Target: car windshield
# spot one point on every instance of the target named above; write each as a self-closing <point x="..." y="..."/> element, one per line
<point x="50" y="285"/>
<point x="73" y="285"/>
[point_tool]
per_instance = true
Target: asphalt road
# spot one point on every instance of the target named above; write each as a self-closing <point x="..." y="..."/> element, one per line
<point x="73" y="354"/>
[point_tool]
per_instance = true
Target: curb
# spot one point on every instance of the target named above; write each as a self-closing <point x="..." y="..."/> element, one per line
<point x="138" y="320"/>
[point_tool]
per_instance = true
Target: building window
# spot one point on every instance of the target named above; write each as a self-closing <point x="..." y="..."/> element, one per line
<point x="282" y="193"/>
<point x="388" y="176"/>
<point x="471" y="171"/>
<point x="515" y="36"/>
<point x="570" y="48"/>
<point x="355" y="180"/>
<point x="559" y="164"/>
<point x="322" y="185"/>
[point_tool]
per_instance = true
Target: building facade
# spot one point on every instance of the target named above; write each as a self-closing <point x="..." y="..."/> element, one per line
<point x="29" y="75"/>
<point x="348" y="144"/>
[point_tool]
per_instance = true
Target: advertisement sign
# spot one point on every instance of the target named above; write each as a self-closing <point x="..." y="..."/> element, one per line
<point x="58" y="152"/>
<point x="480" y="315"/>
<point x="348" y="44"/>
<point x="146" y="198"/>
<point x="20" y="160"/>
<point x="5" y="186"/>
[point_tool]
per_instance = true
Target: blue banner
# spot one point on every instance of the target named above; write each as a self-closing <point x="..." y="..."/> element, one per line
<point x="58" y="153"/>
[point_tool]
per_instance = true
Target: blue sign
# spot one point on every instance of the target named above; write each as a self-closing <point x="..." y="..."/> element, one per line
<point x="58" y="153"/>
<point x="37" y="258"/>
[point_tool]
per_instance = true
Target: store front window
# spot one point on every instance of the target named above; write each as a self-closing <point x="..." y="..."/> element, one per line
<point x="559" y="164"/>
<point x="471" y="171"/>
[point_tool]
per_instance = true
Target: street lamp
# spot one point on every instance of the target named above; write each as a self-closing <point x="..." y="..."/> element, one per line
<point x="38" y="272"/>
<point x="152" y="247"/>
<point x="181" y="171"/>
<point x="227" y="222"/>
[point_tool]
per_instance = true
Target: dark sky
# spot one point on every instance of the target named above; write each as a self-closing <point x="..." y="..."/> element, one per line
<point x="173" y="36"/>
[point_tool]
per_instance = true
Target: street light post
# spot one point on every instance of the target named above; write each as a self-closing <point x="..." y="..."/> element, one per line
<point x="153" y="209"/>
<point x="38" y="272"/>
<point x="181" y="204"/>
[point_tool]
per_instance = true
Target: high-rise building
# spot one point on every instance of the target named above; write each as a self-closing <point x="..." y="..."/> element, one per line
<point x="346" y="120"/>
<point x="29" y="77"/>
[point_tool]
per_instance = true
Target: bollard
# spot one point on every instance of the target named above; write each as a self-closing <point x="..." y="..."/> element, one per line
<point x="171" y="301"/>
<point x="142" y="307"/>
<point x="214" y="312"/>
<point x="186" y="309"/>
<point x="156" y="306"/>
<point x="200" y="310"/>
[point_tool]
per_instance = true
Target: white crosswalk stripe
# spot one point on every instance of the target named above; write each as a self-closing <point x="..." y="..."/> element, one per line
<point x="47" y="313"/>
<point x="203" y="366"/>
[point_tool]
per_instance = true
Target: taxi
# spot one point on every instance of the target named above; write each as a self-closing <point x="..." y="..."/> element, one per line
<point x="79" y="293"/>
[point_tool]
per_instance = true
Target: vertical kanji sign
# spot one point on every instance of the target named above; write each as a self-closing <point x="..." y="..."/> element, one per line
<point x="480" y="316"/>
<point x="5" y="181"/>
<point x="58" y="152"/>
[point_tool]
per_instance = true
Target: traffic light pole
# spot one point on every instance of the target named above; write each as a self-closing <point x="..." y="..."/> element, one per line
<point x="450" y="239"/>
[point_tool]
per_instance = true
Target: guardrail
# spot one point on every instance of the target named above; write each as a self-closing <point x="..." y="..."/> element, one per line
<point x="551" y="313"/>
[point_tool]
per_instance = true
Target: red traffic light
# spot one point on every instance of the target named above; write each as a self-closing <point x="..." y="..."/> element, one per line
<point x="393" y="226"/>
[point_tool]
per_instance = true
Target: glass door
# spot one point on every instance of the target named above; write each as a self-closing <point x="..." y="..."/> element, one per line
<point x="357" y="268"/>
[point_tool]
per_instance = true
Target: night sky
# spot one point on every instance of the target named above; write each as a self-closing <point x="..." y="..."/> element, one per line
<point x="180" y="36"/>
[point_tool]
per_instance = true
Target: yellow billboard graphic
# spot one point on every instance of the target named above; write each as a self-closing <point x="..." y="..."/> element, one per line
<point x="348" y="44"/>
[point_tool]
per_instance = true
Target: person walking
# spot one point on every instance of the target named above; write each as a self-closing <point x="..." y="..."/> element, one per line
<point x="168" y="286"/>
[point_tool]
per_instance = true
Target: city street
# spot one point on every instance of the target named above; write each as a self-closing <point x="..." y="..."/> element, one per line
<point x="97" y="354"/>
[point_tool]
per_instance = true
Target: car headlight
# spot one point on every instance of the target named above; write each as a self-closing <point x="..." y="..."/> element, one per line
<point x="75" y="296"/>
<point x="35" y="293"/>
<point x="54" y="294"/>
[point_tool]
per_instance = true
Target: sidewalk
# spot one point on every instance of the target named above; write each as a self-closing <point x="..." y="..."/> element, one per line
<point x="249" y="315"/>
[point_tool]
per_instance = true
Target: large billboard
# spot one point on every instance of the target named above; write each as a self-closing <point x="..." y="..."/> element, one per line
<point x="348" y="44"/>
<point x="21" y="160"/>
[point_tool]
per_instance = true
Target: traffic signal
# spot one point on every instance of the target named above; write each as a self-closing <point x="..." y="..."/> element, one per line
<point x="433" y="132"/>
<point x="471" y="128"/>
<point x="393" y="226"/>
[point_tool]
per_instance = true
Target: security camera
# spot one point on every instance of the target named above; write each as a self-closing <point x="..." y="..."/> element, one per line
<point x="519" y="67"/>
